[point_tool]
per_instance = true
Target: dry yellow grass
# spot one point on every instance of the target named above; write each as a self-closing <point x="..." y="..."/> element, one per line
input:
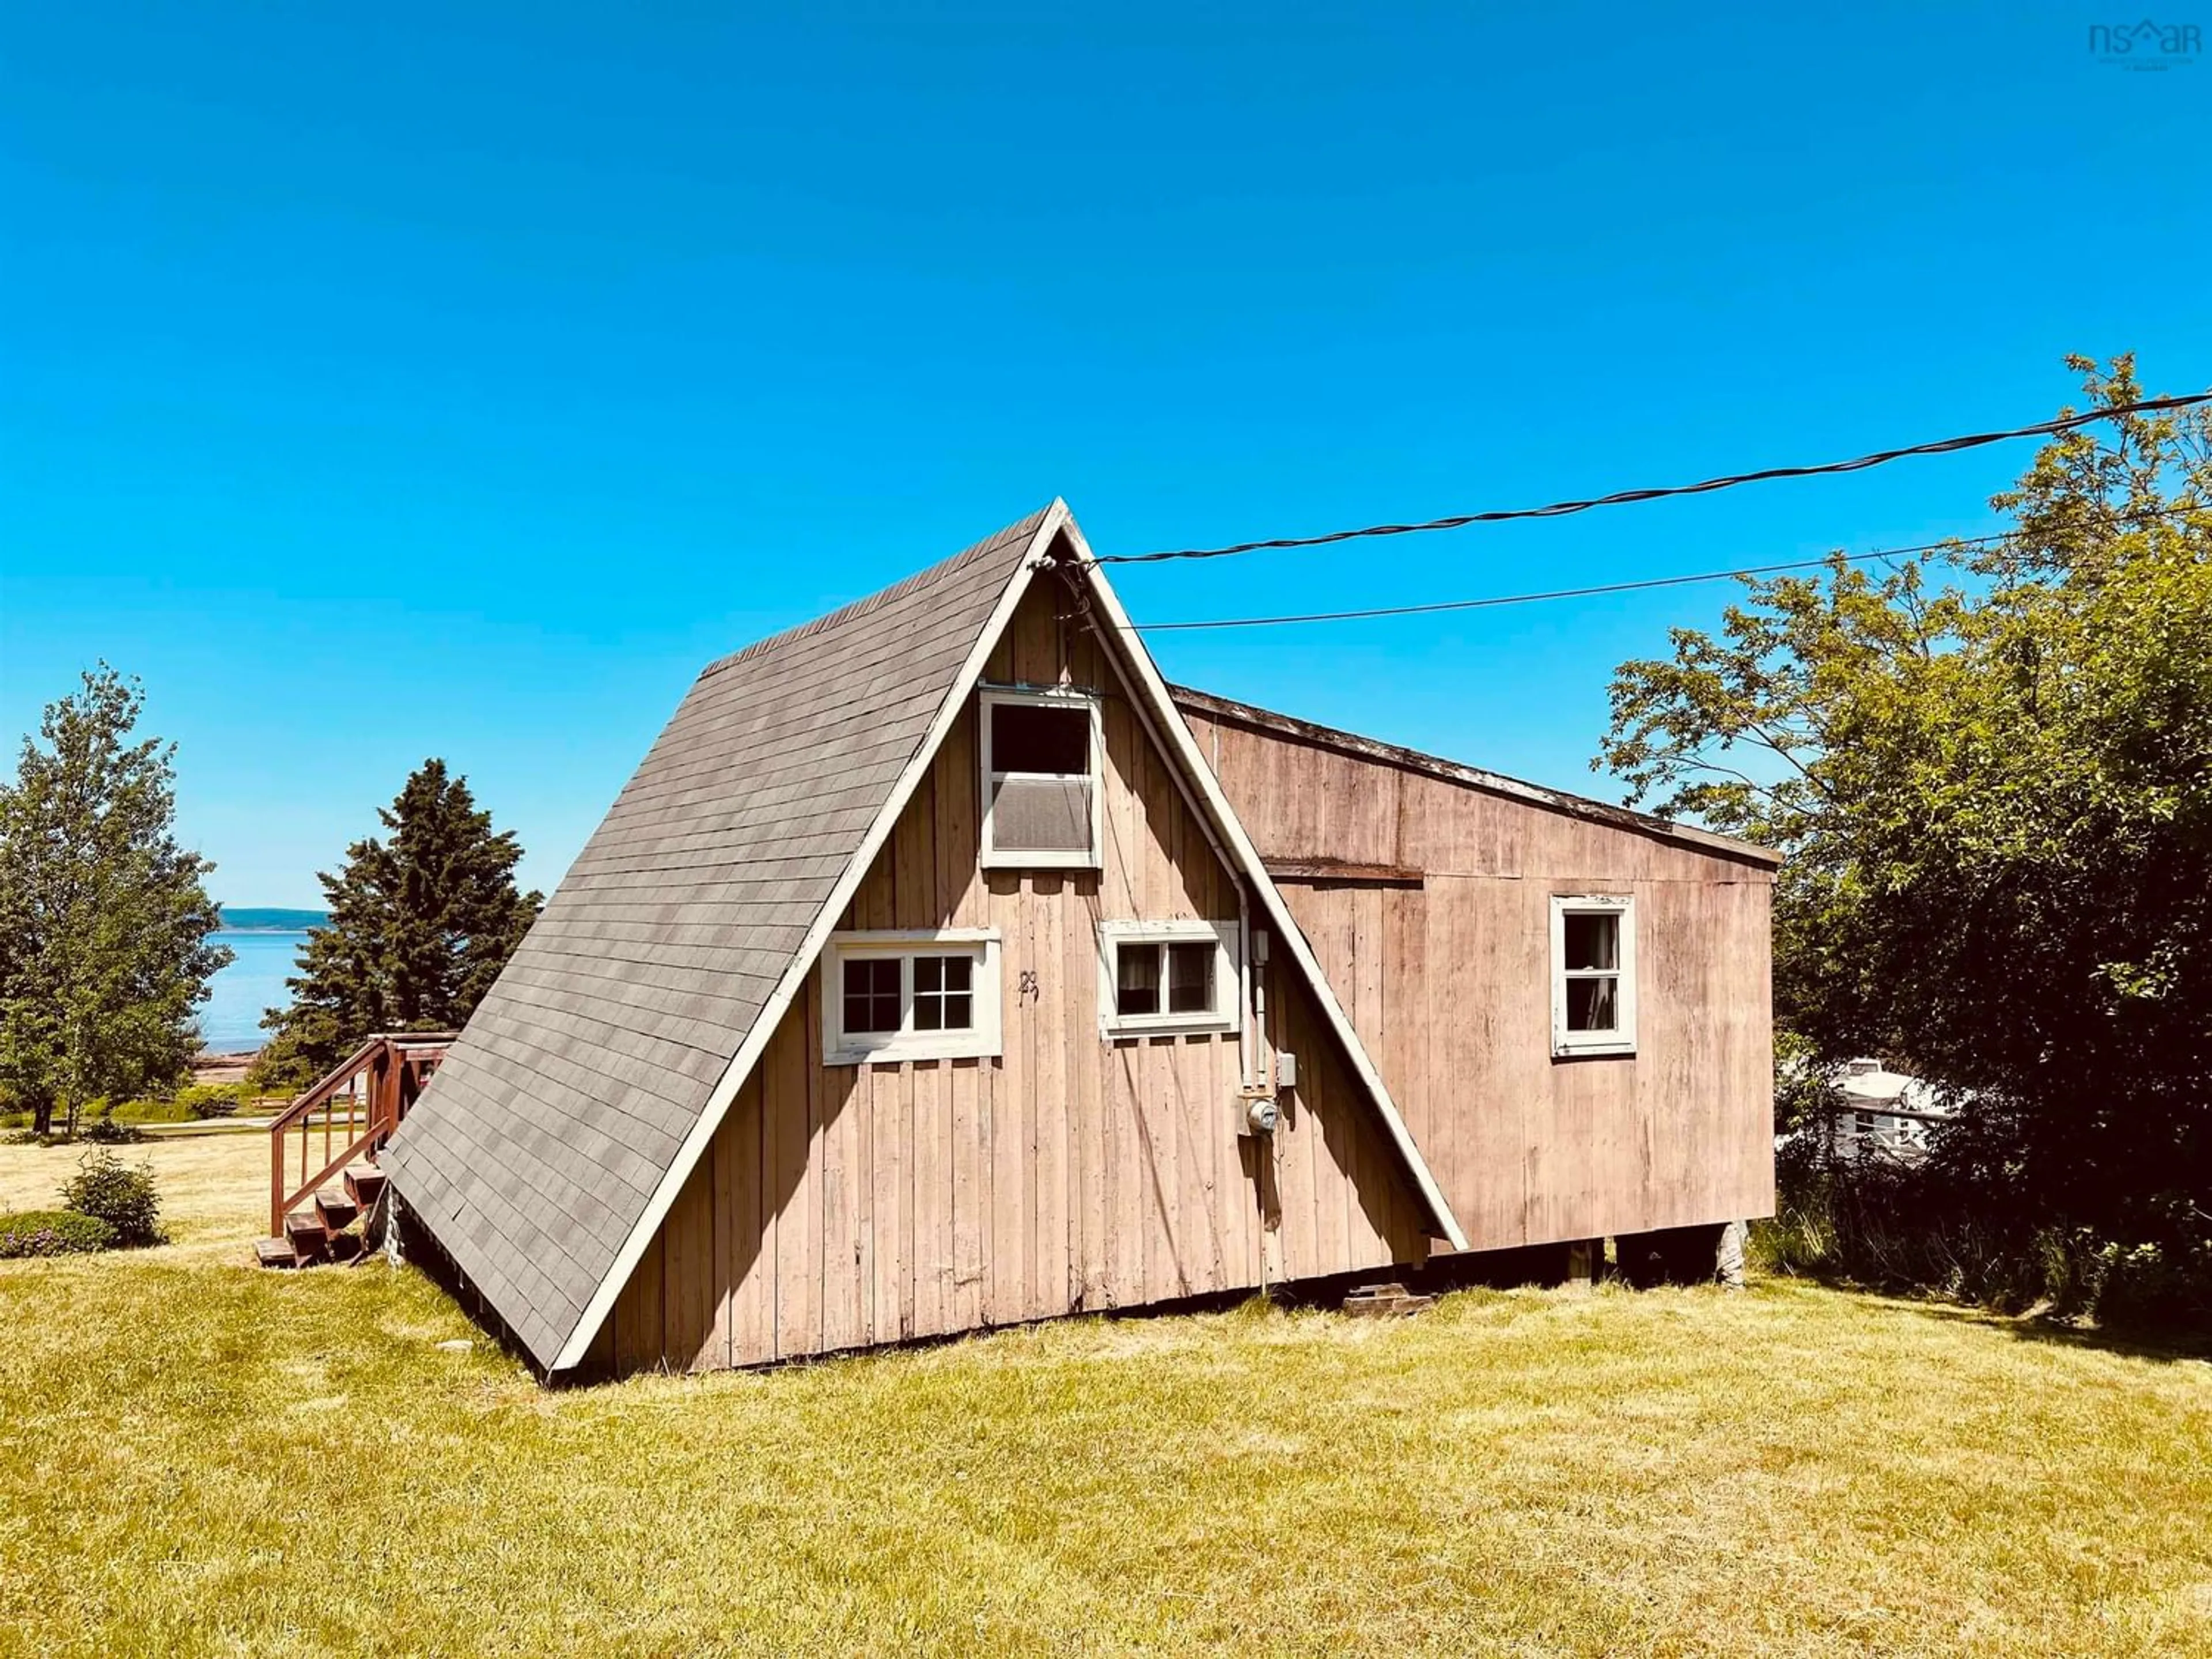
<point x="214" y="1184"/>
<point x="198" y="1457"/>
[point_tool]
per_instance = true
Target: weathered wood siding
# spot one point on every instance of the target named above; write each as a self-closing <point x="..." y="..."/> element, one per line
<point x="844" y="1206"/>
<point x="1447" y="982"/>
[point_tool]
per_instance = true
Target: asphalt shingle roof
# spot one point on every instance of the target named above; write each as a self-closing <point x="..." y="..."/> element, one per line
<point x="539" y="1144"/>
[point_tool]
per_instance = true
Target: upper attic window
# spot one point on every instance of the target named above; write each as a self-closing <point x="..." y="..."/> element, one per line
<point x="1042" y="799"/>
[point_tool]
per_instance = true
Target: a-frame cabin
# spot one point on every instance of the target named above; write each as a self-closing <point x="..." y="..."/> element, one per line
<point x="925" y="979"/>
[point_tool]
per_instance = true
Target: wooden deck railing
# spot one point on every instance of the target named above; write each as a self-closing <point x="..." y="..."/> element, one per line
<point x="352" y="1110"/>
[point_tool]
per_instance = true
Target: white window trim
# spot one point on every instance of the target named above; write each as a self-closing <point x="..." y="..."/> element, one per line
<point x="1227" y="982"/>
<point x="868" y="1048"/>
<point x="1093" y="856"/>
<point x="1622" y="1040"/>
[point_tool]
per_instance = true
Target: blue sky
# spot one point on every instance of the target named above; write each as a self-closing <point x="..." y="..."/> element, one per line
<point x="381" y="382"/>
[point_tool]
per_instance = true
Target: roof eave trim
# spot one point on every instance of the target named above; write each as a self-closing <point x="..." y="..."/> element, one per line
<point x="795" y="973"/>
<point x="1375" y="749"/>
<point x="1176" y="731"/>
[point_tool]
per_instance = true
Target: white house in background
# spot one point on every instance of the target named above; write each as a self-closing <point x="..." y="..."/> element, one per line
<point x="1881" y="1111"/>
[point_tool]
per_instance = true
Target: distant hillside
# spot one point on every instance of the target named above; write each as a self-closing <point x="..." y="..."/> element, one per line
<point x="243" y="919"/>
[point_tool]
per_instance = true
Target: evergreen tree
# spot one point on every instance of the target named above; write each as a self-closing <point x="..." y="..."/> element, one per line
<point x="104" y="919"/>
<point x="421" y="924"/>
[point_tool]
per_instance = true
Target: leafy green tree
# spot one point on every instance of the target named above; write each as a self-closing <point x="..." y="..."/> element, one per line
<point x="1991" y="773"/>
<point x="105" y="920"/>
<point x="421" y="924"/>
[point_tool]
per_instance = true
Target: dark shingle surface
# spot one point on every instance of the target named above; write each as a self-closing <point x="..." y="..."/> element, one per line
<point x="540" y="1142"/>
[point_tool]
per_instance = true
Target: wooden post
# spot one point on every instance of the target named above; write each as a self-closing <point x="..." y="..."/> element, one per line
<point x="1583" y="1256"/>
<point x="384" y="1089"/>
<point x="276" y="1185"/>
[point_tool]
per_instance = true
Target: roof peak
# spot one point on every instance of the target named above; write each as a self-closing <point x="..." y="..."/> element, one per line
<point x="1021" y="529"/>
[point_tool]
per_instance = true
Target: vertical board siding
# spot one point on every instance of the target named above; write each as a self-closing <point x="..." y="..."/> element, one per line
<point x="745" y="1225"/>
<point x="691" y="1276"/>
<point x="1448" y="985"/>
<point x="845" y="1206"/>
<point x="795" y="1196"/>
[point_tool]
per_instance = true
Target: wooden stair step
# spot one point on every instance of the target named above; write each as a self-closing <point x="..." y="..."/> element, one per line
<point x="1384" y="1302"/>
<point x="364" y="1184"/>
<point x="335" y="1210"/>
<point x="276" y="1252"/>
<point x="310" y="1239"/>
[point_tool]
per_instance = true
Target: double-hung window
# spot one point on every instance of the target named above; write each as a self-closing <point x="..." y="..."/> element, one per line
<point x="1167" y="978"/>
<point x="1593" y="975"/>
<point x="891" y="996"/>
<point x="1040" y="753"/>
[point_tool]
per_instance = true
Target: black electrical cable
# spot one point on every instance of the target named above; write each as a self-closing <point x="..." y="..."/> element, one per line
<point x="1559" y="509"/>
<point x="1610" y="588"/>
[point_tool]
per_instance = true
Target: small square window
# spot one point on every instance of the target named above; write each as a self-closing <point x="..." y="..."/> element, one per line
<point x="942" y="998"/>
<point x="1167" y="977"/>
<point x="871" y="994"/>
<point x="1593" y="976"/>
<point x="893" y="996"/>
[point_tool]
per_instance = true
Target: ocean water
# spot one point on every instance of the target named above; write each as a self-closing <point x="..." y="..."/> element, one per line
<point x="230" y="1019"/>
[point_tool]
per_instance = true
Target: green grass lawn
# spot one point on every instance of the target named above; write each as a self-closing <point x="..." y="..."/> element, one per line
<point x="196" y="1456"/>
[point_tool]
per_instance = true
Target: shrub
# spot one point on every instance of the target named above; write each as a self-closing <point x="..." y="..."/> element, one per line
<point x="106" y="1131"/>
<point x="123" y="1198"/>
<point x="150" y="1111"/>
<point x="2154" y="1286"/>
<point x="206" y="1100"/>
<point x="1897" y="1225"/>
<point x="52" y="1232"/>
<point x="1925" y="1228"/>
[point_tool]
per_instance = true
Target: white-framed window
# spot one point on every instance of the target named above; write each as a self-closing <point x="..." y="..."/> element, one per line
<point x="889" y="996"/>
<point x="1593" y="975"/>
<point x="1164" y="978"/>
<point x="1042" y="756"/>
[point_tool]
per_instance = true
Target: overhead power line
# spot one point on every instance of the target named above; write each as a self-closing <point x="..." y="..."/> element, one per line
<point x="1493" y="601"/>
<point x="1560" y="509"/>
